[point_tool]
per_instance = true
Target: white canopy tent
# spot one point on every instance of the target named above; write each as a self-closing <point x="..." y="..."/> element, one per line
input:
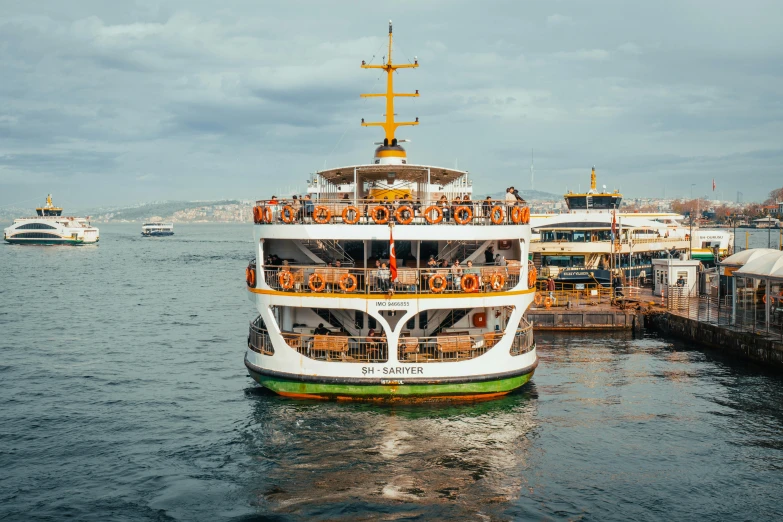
<point x="746" y="256"/>
<point x="763" y="276"/>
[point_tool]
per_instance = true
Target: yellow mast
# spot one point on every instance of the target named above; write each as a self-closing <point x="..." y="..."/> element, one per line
<point x="592" y="179"/>
<point x="389" y="126"/>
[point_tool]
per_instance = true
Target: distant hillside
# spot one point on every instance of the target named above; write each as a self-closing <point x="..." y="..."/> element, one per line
<point x="529" y="195"/>
<point x="179" y="211"/>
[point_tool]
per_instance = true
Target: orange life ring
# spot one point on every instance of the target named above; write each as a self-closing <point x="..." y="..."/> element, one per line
<point x="257" y="215"/>
<point x="348" y="288"/>
<point x="764" y="298"/>
<point x="497" y="214"/>
<point x="288" y="214"/>
<point x="356" y="215"/>
<point x="497" y="281"/>
<point x="380" y="220"/>
<point x="250" y="277"/>
<point x="474" y="283"/>
<point x="538" y="298"/>
<point x="548" y="302"/>
<point x="322" y="214"/>
<point x="266" y="213"/>
<point x="462" y="209"/>
<point x="398" y="215"/>
<point x="316" y="287"/>
<point x="428" y="214"/>
<point x="525" y="215"/>
<point x="286" y="280"/>
<point x="437" y="289"/>
<point x="532" y="275"/>
<point x="516" y="215"/>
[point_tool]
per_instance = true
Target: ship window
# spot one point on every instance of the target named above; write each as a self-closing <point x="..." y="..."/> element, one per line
<point x="606" y="202"/>
<point x="38" y="226"/>
<point x="564" y="261"/>
<point x="411" y="324"/>
<point x="358" y="319"/>
<point x="372" y="323"/>
<point x="35" y="235"/>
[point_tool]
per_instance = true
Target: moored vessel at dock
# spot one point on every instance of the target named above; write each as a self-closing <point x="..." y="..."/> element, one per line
<point x="50" y="227"/>
<point x="596" y="241"/>
<point x="390" y="281"/>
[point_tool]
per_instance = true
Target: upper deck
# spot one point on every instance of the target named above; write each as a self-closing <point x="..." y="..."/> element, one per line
<point x="376" y="196"/>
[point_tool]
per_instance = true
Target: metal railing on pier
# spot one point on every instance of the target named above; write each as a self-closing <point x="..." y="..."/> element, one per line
<point x="445" y="347"/>
<point x="749" y="313"/>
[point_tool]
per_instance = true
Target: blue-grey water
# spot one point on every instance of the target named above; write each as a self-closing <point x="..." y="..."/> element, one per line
<point x="123" y="396"/>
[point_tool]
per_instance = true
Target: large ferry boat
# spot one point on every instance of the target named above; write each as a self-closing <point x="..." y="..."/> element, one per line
<point x="50" y="227"/>
<point x="390" y="281"/>
<point x="595" y="241"/>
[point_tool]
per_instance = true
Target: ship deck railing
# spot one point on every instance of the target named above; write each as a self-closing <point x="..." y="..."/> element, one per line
<point x="444" y="347"/>
<point x="331" y="211"/>
<point x="329" y="280"/>
<point x="624" y="241"/>
<point x="570" y="296"/>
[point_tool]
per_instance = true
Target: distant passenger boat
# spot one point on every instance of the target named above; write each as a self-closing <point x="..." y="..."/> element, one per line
<point x="157" y="229"/>
<point x="49" y="227"/>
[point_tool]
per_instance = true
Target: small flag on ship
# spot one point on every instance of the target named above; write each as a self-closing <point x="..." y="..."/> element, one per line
<point x="392" y="257"/>
<point x="713" y="184"/>
<point x="614" y="225"/>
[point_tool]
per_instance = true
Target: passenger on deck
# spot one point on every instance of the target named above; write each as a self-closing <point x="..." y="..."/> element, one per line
<point x="456" y="274"/>
<point x="384" y="275"/>
<point x="486" y="207"/>
<point x="443" y="203"/>
<point x="320" y="330"/>
<point x="308" y="206"/>
<point x="489" y="256"/>
<point x="297" y="206"/>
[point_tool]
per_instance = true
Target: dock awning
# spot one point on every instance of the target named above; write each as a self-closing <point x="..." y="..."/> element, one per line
<point x="746" y="256"/>
<point x="768" y="266"/>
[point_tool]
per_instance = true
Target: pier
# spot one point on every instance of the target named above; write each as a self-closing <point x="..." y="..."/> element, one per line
<point x="594" y="308"/>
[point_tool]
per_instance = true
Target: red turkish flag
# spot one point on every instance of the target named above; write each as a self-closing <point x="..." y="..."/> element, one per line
<point x="392" y="257"/>
<point x="713" y="184"/>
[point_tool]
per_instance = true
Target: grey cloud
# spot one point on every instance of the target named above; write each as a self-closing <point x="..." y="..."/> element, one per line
<point x="202" y="97"/>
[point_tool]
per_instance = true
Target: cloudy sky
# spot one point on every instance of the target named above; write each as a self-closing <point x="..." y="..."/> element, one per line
<point x="106" y="102"/>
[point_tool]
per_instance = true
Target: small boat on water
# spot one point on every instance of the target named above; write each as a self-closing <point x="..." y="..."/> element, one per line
<point x="50" y="227"/>
<point x="157" y="229"/>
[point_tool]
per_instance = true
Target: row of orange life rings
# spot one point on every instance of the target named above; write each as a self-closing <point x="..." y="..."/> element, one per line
<point x="380" y="215"/>
<point x="317" y="283"/>
<point x="349" y="283"/>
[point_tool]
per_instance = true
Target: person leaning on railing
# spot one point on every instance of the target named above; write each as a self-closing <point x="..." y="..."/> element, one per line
<point x="309" y="207"/>
<point x="456" y="275"/>
<point x="486" y="208"/>
<point x="297" y="206"/>
<point x="384" y="275"/>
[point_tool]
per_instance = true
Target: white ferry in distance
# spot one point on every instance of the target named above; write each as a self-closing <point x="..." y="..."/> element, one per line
<point x="390" y="281"/>
<point x="595" y="241"/>
<point x="157" y="229"/>
<point x="49" y="227"/>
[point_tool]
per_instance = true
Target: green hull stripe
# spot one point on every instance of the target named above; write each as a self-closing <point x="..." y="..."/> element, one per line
<point x="285" y="386"/>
